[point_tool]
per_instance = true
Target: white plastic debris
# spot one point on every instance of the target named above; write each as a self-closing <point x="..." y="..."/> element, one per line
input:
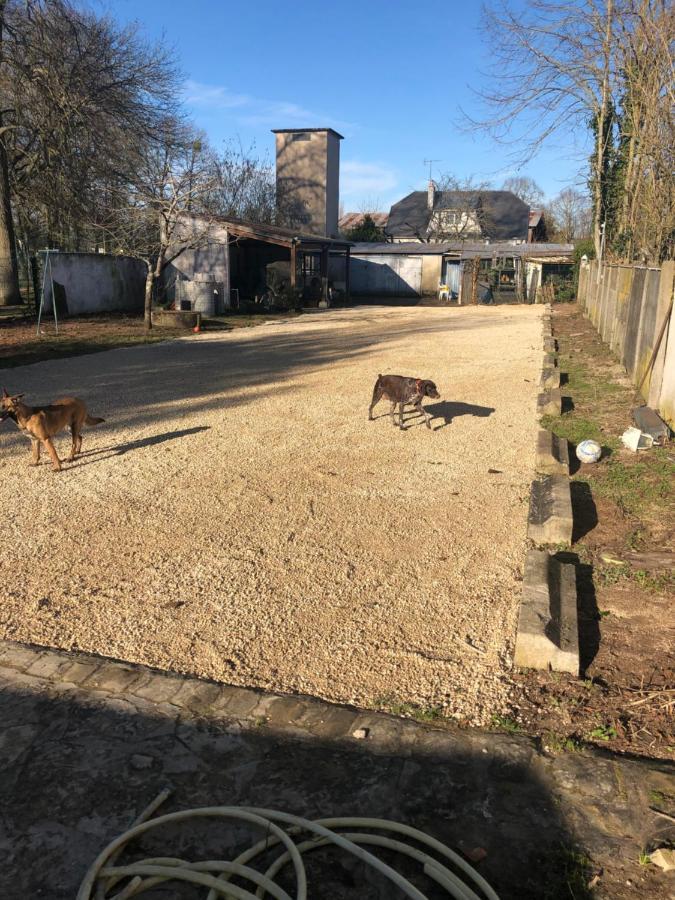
<point x="636" y="440"/>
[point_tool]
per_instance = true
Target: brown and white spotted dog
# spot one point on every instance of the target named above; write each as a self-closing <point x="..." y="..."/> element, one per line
<point x="400" y="390"/>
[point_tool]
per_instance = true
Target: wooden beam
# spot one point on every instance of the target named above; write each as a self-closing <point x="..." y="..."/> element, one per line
<point x="294" y="267"/>
<point x="347" y="276"/>
<point x="324" y="274"/>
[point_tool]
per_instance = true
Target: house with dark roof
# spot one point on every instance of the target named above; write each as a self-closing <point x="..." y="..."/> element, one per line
<point x="434" y="215"/>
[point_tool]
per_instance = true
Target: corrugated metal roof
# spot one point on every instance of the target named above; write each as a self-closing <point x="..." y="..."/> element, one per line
<point x="464" y="250"/>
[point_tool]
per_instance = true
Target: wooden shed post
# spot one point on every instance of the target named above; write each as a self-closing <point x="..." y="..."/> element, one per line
<point x="324" y="273"/>
<point x="294" y="267"/>
<point x="348" y="292"/>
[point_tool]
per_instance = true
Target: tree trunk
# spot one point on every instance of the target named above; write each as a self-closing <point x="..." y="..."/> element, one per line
<point x="599" y="162"/>
<point x="149" y="288"/>
<point x="9" y="274"/>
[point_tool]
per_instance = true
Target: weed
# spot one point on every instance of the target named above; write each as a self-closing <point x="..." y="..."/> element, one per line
<point x="603" y="613"/>
<point x="506" y="724"/>
<point x="574" y="867"/>
<point x="657" y="798"/>
<point x="603" y="733"/>
<point x="644" y="858"/>
<point x="409" y="710"/>
<point x="558" y="743"/>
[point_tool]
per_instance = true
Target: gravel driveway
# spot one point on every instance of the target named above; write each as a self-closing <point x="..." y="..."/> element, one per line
<point x="238" y="517"/>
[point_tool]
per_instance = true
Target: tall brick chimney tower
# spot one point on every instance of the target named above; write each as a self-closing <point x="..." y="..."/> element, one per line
<point x="308" y="175"/>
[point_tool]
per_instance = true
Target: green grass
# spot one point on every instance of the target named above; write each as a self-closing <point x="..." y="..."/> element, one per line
<point x="636" y="485"/>
<point x="644" y="858"/>
<point x="504" y="723"/>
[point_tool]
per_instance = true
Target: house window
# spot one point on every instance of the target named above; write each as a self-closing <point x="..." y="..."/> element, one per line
<point x="300" y="136"/>
<point x="311" y="265"/>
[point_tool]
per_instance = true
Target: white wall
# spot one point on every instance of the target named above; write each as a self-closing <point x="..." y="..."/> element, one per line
<point x="97" y="282"/>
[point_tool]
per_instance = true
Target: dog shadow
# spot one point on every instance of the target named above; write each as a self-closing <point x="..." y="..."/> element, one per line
<point x="448" y="411"/>
<point x="120" y="449"/>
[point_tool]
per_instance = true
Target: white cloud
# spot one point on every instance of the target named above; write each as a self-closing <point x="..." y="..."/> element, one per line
<point x="255" y="110"/>
<point x="359" y="178"/>
<point x="206" y="95"/>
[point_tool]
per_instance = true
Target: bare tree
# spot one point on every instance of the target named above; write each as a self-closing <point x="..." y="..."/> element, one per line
<point x="461" y="209"/>
<point x="163" y="210"/>
<point x="80" y="96"/>
<point x="244" y="184"/>
<point x="560" y="67"/>
<point x="526" y="188"/>
<point x="569" y="215"/>
<point x="554" y="70"/>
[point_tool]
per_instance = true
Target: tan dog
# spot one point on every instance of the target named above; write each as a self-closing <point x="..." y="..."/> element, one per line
<point x="41" y="423"/>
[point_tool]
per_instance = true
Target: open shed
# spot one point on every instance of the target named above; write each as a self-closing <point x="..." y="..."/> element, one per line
<point x="237" y="259"/>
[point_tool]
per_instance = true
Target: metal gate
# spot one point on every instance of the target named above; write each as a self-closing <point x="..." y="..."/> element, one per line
<point x="386" y="275"/>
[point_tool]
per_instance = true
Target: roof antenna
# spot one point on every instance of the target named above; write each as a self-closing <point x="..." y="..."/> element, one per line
<point x="430" y="162"/>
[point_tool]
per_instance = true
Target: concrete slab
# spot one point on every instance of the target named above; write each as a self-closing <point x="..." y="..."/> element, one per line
<point x="550" y="518"/>
<point x="552" y="454"/>
<point x="548" y="631"/>
<point x="549" y="403"/>
<point x="550" y="379"/>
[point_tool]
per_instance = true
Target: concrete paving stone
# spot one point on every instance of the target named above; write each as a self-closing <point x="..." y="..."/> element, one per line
<point x="17" y="656"/>
<point x="548" y="631"/>
<point x="332" y="723"/>
<point x="79" y="670"/>
<point x="386" y="734"/>
<point x="550" y="519"/>
<point x="550" y="379"/>
<point x="49" y="665"/>
<point x="200" y="697"/>
<point x="239" y="702"/>
<point x="286" y="711"/>
<point x="552" y="456"/>
<point x="549" y="403"/>
<point x="157" y="687"/>
<point x="113" y="677"/>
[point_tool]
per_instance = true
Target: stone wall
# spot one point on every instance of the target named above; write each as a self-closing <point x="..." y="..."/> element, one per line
<point x="628" y="306"/>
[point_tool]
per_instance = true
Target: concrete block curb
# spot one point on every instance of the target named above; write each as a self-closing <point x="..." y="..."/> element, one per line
<point x="550" y="361"/>
<point x="90" y="679"/>
<point x="550" y="379"/>
<point x="549" y="403"/>
<point x="550" y="344"/>
<point x="550" y="518"/>
<point x="548" y="629"/>
<point x="553" y="456"/>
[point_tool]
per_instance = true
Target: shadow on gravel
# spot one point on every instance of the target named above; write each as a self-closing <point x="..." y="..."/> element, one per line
<point x="77" y="769"/>
<point x="107" y="452"/>
<point x="448" y="411"/>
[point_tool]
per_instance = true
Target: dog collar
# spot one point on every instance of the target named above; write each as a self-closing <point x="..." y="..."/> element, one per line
<point x="419" y="384"/>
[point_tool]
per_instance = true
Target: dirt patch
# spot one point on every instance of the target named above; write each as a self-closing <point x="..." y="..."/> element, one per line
<point x="238" y="517"/>
<point x="21" y="345"/>
<point x="623" y="510"/>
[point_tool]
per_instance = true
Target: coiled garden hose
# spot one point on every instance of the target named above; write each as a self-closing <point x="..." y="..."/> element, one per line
<point x="108" y="880"/>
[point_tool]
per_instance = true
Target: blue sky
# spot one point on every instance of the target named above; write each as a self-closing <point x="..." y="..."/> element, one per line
<point x="389" y="76"/>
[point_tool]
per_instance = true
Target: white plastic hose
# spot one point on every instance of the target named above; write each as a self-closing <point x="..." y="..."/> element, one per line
<point x="108" y="880"/>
